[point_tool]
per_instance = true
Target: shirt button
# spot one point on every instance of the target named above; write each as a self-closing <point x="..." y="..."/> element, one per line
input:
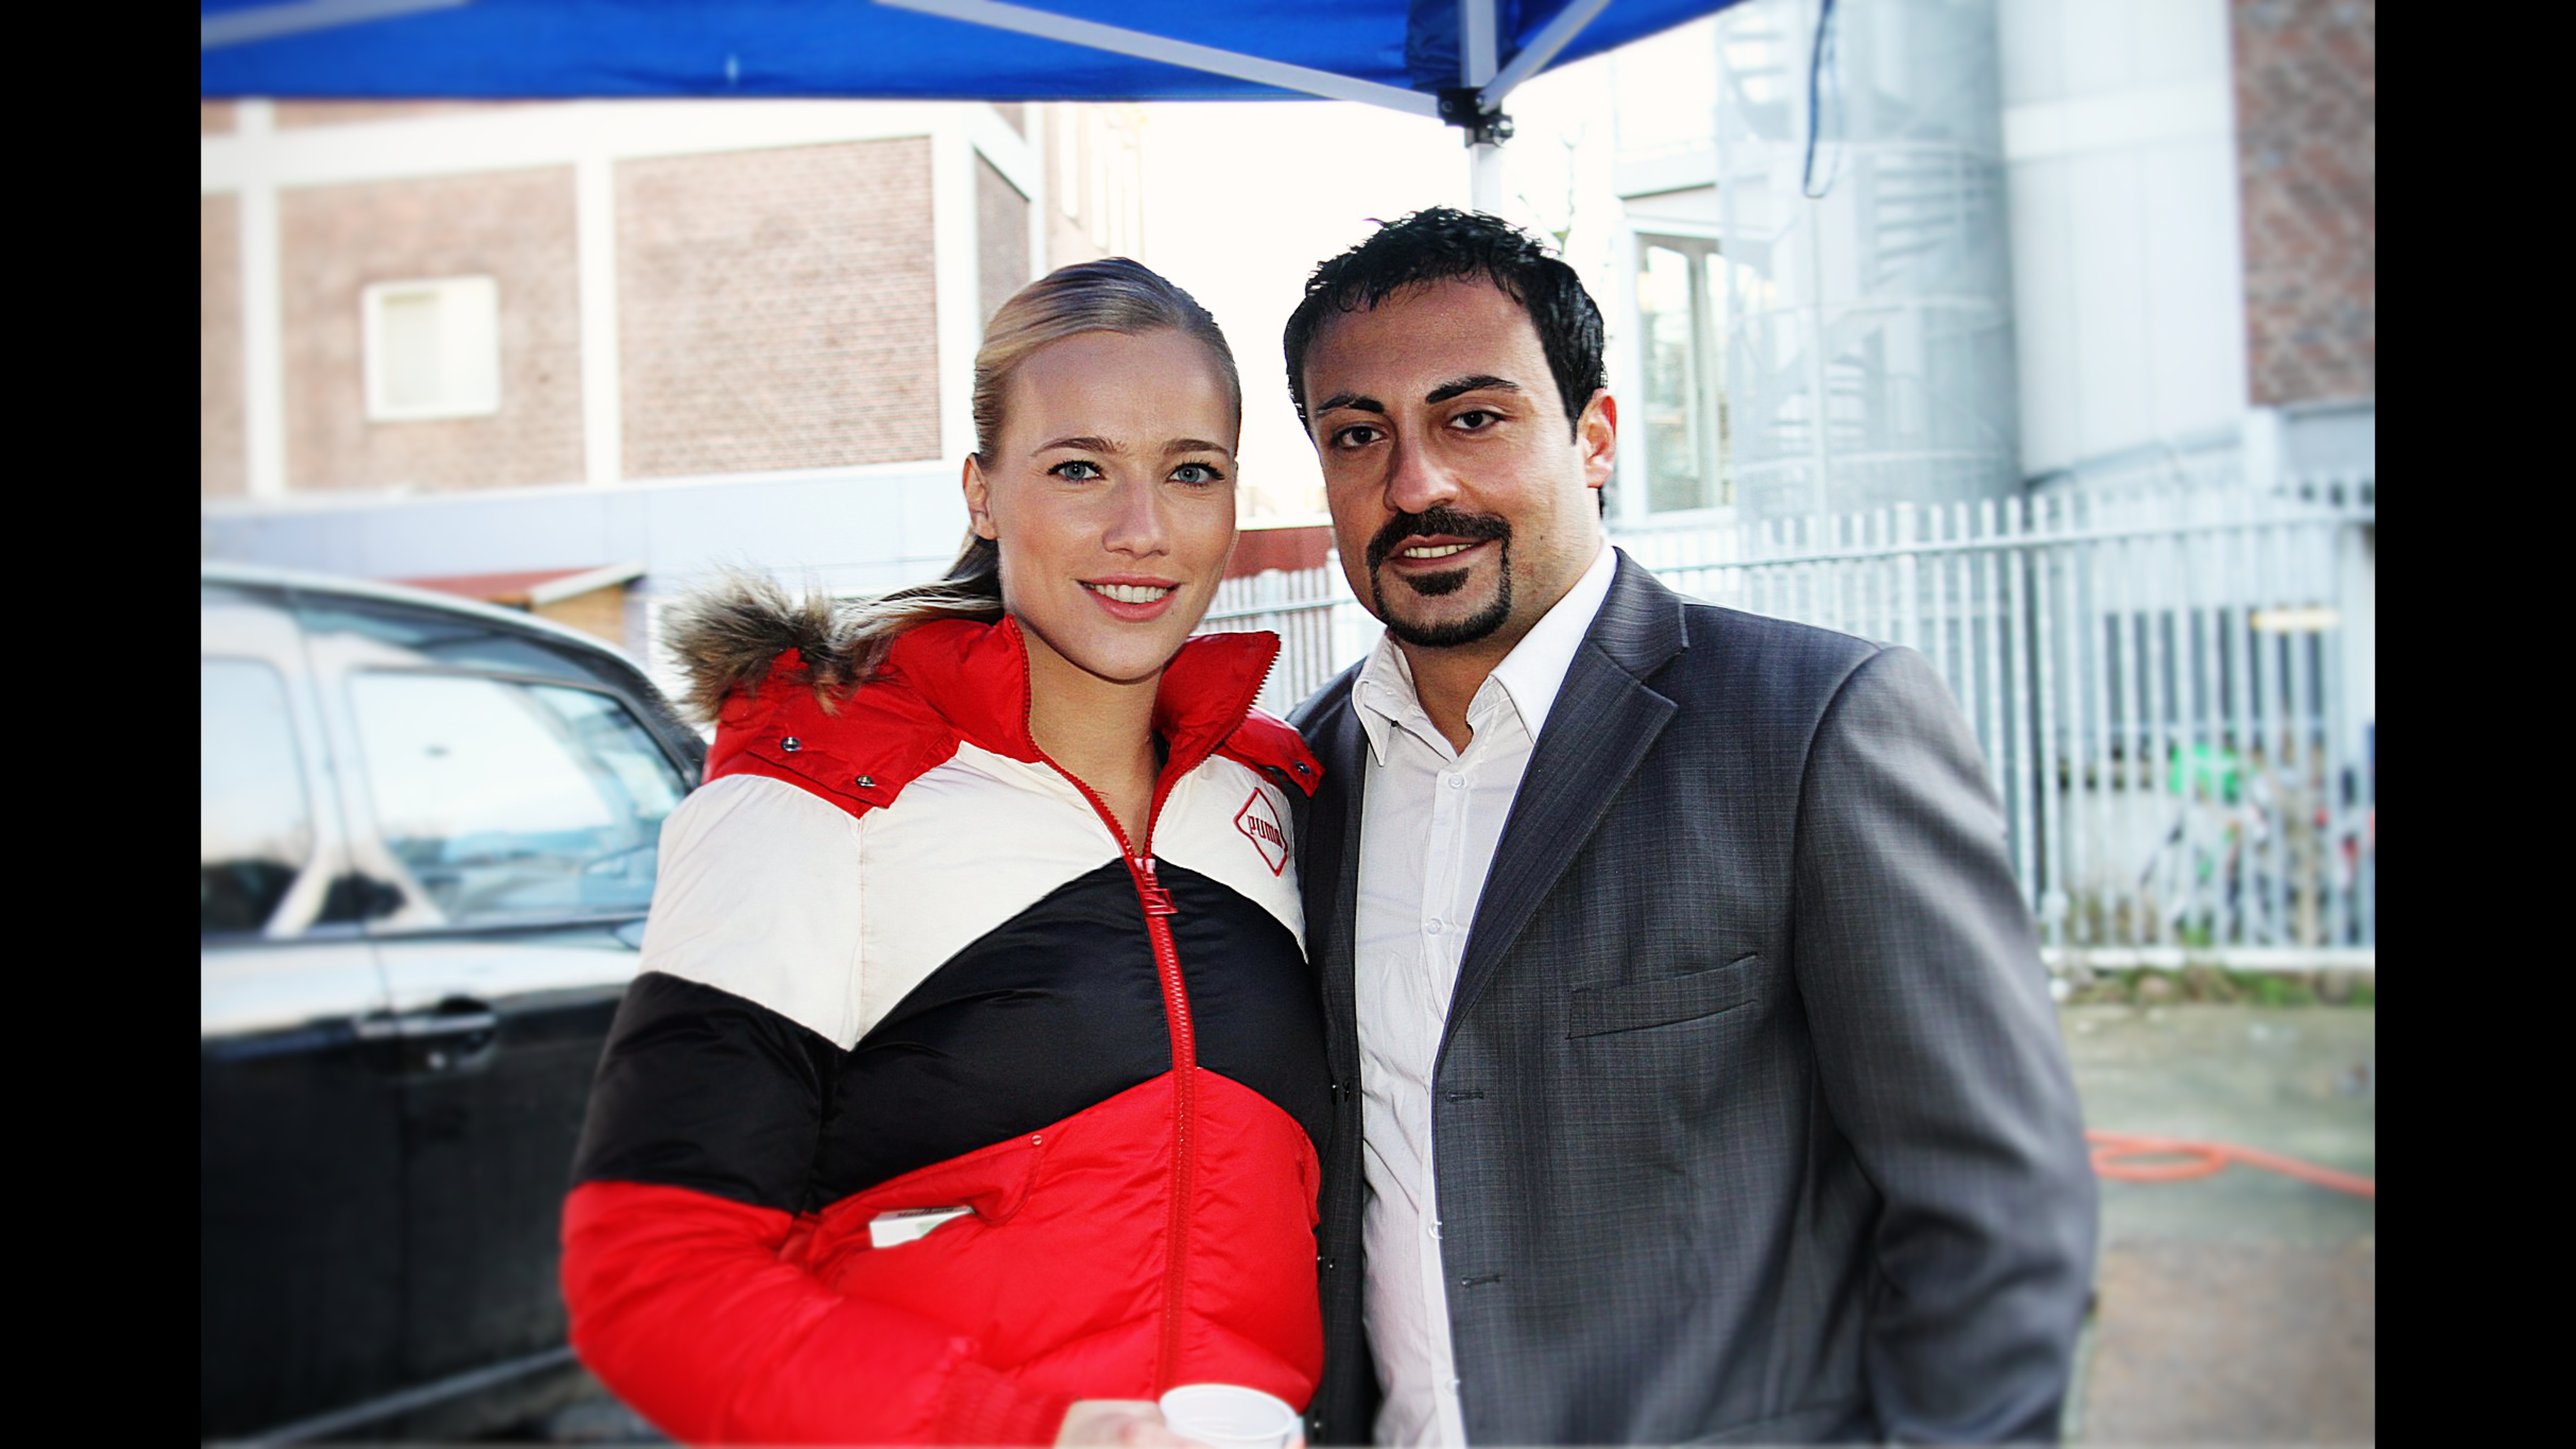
<point x="1433" y="1228"/>
<point x="1431" y="927"/>
<point x="1456" y="782"/>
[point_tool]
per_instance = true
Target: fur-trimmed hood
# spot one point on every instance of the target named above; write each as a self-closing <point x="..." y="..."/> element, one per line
<point x="727" y="636"/>
<point x="801" y="716"/>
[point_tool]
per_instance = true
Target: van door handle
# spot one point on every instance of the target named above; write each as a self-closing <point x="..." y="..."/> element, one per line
<point x="423" y="1025"/>
<point x="456" y="1033"/>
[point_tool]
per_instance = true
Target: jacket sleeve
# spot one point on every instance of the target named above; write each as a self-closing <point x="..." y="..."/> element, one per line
<point x="697" y="1158"/>
<point x="681" y="1305"/>
<point x="1941" y="1063"/>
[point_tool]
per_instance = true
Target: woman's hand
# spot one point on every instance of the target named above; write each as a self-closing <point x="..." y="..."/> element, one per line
<point x="1133" y="1423"/>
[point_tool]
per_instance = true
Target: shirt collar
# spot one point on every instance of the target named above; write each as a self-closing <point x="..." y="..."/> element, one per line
<point x="1529" y="677"/>
<point x="1535" y="669"/>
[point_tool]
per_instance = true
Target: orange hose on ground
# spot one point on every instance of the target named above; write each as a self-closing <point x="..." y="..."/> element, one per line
<point x="2201" y="1159"/>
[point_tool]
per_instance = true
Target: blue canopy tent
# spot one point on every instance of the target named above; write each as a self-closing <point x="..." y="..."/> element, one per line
<point x="1457" y="60"/>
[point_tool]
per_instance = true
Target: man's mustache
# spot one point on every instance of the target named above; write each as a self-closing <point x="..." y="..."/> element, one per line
<point x="1433" y="523"/>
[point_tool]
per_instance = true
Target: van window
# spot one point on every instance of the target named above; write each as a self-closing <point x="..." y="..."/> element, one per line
<point x="255" y="824"/>
<point x="448" y="639"/>
<point x="507" y="799"/>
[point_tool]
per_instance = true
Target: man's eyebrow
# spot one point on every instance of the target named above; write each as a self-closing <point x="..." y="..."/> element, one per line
<point x="1479" y="383"/>
<point x="1350" y="400"/>
<point x="1085" y="444"/>
<point x="1195" y="445"/>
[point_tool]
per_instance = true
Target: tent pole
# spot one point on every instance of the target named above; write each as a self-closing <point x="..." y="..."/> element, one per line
<point x="1479" y="55"/>
<point x="1047" y="26"/>
<point x="1485" y="176"/>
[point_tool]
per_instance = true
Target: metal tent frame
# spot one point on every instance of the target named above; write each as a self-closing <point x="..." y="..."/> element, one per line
<point x="1474" y="104"/>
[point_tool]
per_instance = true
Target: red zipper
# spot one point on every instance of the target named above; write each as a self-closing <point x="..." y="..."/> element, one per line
<point x="1157" y="905"/>
<point x="1185" y="1056"/>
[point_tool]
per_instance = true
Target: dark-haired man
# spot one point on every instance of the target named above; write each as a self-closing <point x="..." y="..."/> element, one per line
<point x="1695" y="1067"/>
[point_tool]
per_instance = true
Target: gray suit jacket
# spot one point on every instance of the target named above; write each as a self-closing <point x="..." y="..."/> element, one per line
<point x="1752" y="1118"/>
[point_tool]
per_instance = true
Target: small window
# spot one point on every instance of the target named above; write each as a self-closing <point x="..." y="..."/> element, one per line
<point x="1681" y="314"/>
<point x="508" y="800"/>
<point x="255" y="823"/>
<point x="433" y="349"/>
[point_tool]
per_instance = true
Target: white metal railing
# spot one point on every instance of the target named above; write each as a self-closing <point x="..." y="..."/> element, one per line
<point x="2170" y="685"/>
<point x="1321" y="628"/>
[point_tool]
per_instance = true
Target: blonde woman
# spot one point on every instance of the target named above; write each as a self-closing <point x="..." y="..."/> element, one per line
<point x="970" y="1088"/>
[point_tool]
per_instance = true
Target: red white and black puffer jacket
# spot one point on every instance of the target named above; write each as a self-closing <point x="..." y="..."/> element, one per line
<point x="897" y="959"/>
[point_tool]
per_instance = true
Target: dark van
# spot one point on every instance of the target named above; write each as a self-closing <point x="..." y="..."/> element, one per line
<point x="427" y="846"/>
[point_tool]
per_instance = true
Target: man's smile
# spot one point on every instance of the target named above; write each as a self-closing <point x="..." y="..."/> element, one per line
<point x="1433" y="550"/>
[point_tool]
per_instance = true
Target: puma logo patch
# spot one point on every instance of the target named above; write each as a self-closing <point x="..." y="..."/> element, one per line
<point x="1259" y="822"/>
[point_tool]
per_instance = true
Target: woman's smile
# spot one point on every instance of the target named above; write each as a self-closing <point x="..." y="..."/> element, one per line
<point x="1134" y="599"/>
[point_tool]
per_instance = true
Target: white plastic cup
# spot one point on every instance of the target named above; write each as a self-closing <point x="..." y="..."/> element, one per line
<point x="1228" y="1416"/>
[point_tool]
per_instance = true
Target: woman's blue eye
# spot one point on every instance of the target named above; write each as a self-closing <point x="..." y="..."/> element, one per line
<point x="1196" y="473"/>
<point x="1077" y="470"/>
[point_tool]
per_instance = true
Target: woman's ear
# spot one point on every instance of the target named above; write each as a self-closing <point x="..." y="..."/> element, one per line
<point x="979" y="498"/>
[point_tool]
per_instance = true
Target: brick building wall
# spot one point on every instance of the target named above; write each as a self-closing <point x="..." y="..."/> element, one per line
<point x="1001" y="240"/>
<point x="219" y="342"/>
<point x="516" y="227"/>
<point x="777" y="309"/>
<point x="2306" y="110"/>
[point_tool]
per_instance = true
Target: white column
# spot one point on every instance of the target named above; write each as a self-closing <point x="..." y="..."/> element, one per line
<point x="603" y="410"/>
<point x="1041" y="188"/>
<point x="262" y="314"/>
<point x="1628" y="351"/>
<point x="955" y="266"/>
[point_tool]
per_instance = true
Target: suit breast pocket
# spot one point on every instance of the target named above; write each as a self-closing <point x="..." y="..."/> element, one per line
<point x="1636" y="1005"/>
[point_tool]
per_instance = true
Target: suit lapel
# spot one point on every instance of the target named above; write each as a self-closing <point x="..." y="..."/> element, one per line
<point x="1334" y="863"/>
<point x="1604" y="721"/>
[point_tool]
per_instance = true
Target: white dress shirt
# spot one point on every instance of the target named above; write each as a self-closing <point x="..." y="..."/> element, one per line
<point x="1430" y="819"/>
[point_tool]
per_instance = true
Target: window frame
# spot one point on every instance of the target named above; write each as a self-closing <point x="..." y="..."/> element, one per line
<point x="269" y="630"/>
<point x="483" y="398"/>
<point x="1709" y="342"/>
<point x="421" y="916"/>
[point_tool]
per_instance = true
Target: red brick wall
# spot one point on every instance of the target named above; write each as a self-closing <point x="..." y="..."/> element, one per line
<point x="220" y="467"/>
<point x="1001" y="240"/>
<point x="2306" y="136"/>
<point x="777" y="308"/>
<point x="1258" y="550"/>
<point x="514" y="226"/>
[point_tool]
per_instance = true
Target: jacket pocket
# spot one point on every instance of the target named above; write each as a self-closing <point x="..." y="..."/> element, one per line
<point x="1636" y="1005"/>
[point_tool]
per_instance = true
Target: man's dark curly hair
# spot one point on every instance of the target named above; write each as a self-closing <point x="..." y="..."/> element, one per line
<point x="1437" y="244"/>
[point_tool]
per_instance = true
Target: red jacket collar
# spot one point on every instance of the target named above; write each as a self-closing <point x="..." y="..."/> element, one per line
<point x="976" y="677"/>
<point x="958" y="679"/>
